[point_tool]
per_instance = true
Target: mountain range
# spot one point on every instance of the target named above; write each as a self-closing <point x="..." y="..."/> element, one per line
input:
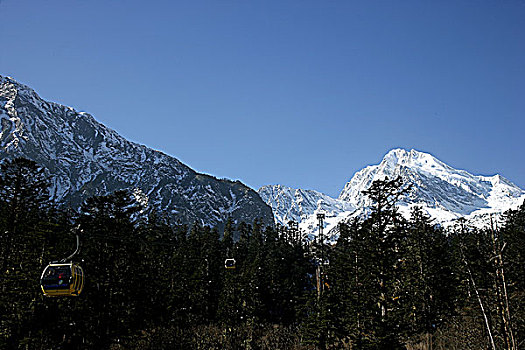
<point x="84" y="158"/>
<point x="443" y="192"/>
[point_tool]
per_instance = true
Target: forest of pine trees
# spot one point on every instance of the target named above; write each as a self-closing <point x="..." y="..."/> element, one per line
<point x="387" y="283"/>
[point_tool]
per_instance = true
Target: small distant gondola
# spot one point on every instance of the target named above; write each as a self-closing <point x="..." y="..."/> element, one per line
<point x="229" y="264"/>
<point x="62" y="279"/>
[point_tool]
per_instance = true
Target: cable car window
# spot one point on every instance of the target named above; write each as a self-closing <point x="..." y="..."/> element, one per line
<point x="57" y="277"/>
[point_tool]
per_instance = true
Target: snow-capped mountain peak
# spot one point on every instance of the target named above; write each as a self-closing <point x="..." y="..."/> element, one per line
<point x="444" y="192"/>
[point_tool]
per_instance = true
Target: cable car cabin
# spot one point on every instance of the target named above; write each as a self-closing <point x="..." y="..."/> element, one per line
<point x="62" y="279"/>
<point x="229" y="263"/>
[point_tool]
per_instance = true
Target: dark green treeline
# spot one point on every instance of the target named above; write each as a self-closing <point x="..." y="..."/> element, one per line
<point x="388" y="282"/>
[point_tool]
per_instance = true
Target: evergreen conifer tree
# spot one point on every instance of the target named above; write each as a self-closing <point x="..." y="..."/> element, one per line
<point x="24" y="231"/>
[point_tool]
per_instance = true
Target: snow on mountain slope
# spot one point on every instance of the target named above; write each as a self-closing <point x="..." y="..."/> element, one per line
<point x="302" y="207"/>
<point x="85" y="158"/>
<point x="445" y="193"/>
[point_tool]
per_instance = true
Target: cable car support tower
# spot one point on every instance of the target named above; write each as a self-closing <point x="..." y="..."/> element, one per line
<point x="320" y="256"/>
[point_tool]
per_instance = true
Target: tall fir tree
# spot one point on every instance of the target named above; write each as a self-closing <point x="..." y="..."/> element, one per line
<point x="382" y="240"/>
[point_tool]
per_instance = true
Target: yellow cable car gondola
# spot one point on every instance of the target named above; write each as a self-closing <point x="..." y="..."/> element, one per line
<point x="229" y="264"/>
<point x="62" y="279"/>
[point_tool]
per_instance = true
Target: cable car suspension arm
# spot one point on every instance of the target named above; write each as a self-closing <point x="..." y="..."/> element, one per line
<point x="77" y="249"/>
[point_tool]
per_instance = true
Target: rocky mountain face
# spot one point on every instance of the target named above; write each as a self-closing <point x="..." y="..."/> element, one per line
<point x="445" y="193"/>
<point x="85" y="158"/>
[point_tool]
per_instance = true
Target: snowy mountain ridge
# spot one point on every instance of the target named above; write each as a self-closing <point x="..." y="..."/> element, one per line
<point x="302" y="206"/>
<point x="85" y="158"/>
<point x="444" y="192"/>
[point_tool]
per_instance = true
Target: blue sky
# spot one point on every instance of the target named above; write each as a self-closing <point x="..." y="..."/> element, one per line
<point x="301" y="93"/>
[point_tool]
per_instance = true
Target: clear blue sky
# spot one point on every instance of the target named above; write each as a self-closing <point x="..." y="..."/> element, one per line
<point x="301" y="93"/>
